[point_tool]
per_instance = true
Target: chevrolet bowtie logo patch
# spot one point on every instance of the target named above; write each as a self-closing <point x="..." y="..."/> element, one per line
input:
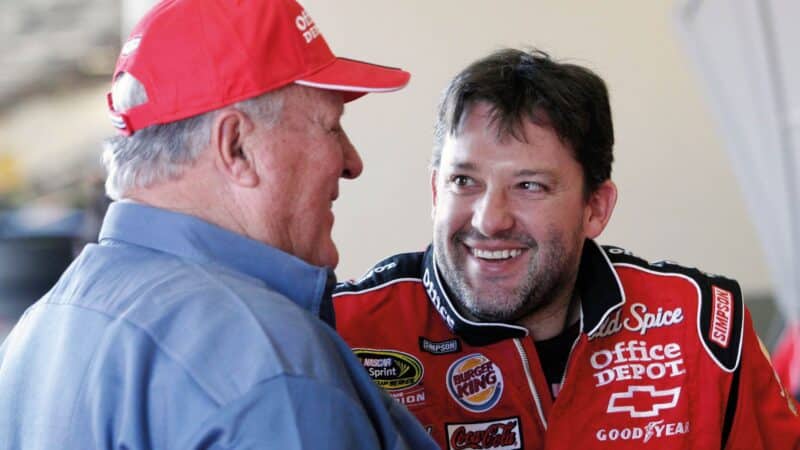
<point x="643" y="401"/>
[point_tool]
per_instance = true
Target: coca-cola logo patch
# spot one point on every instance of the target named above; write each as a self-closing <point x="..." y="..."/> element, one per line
<point x="501" y="434"/>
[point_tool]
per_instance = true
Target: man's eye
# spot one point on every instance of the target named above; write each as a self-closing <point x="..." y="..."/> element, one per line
<point x="461" y="180"/>
<point x="532" y="186"/>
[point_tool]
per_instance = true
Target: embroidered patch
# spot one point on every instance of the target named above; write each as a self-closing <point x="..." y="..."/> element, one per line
<point x="475" y="382"/>
<point x="391" y="369"/>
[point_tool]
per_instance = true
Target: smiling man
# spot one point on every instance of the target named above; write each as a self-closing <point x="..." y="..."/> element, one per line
<point x="515" y="329"/>
<point x="202" y="319"/>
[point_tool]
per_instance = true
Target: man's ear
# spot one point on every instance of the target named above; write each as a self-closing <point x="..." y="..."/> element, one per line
<point x="231" y="129"/>
<point x="599" y="208"/>
<point x="434" y="192"/>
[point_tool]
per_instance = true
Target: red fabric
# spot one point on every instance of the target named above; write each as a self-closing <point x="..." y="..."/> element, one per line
<point x="786" y="358"/>
<point x="194" y="56"/>
<point x="625" y="389"/>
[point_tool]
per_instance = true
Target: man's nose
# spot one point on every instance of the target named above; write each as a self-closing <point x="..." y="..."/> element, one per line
<point x="492" y="214"/>
<point x="353" y="166"/>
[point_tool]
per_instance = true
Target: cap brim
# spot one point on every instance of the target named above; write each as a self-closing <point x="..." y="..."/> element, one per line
<point x="356" y="78"/>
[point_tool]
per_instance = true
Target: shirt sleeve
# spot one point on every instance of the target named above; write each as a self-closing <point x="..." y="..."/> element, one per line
<point x="292" y="412"/>
<point x="766" y="415"/>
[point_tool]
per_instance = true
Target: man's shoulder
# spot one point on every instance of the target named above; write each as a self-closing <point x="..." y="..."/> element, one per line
<point x="716" y="301"/>
<point x="397" y="268"/>
<point x="620" y="257"/>
<point x="203" y="316"/>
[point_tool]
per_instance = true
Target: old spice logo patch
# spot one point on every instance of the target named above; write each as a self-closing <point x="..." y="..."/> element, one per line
<point x="639" y="320"/>
<point x="721" y="316"/>
<point x="391" y="369"/>
<point x="502" y="434"/>
<point x="475" y="382"/>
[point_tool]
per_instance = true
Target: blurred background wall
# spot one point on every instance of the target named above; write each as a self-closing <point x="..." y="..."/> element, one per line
<point x="678" y="196"/>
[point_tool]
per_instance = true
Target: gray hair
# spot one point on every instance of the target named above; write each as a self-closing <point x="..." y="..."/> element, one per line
<point x="161" y="152"/>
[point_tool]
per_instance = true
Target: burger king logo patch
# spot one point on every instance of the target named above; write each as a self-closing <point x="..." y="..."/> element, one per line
<point x="475" y="382"/>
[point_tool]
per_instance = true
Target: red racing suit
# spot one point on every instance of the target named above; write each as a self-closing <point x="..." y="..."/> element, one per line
<point x="666" y="358"/>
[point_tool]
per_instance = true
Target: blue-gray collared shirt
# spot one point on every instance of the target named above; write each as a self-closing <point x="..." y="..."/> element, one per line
<point x="174" y="333"/>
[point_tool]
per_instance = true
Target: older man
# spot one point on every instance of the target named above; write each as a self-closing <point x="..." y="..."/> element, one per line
<point x="516" y="330"/>
<point x="195" y="323"/>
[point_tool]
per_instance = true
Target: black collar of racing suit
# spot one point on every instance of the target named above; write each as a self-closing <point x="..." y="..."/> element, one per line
<point x="598" y="287"/>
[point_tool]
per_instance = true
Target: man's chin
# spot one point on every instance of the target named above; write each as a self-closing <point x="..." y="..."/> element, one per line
<point x="509" y="315"/>
<point x="326" y="258"/>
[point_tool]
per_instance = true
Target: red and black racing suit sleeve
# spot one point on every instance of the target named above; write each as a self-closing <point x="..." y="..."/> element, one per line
<point x="761" y="415"/>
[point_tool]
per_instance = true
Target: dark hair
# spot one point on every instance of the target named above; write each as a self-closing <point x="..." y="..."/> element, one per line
<point x="521" y="85"/>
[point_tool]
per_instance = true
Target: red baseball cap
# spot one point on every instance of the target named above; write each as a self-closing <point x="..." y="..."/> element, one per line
<point x="195" y="56"/>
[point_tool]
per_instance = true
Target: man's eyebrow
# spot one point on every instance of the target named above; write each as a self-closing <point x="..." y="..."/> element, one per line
<point x="531" y="172"/>
<point x="463" y="165"/>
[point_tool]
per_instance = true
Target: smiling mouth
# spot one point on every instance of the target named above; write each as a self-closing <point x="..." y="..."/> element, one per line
<point x="496" y="255"/>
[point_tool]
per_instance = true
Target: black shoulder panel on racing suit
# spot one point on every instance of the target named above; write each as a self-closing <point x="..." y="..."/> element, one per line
<point x="721" y="309"/>
<point x="401" y="266"/>
<point x="720" y="321"/>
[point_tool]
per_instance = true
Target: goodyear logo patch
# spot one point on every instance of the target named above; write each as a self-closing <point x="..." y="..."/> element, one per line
<point x="391" y="369"/>
<point x="475" y="382"/>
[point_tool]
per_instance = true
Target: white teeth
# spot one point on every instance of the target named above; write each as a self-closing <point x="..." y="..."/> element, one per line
<point x="496" y="254"/>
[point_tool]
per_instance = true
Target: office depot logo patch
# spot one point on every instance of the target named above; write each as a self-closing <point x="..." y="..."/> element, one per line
<point x="390" y="369"/>
<point x="636" y="360"/>
<point x="475" y="382"/>
<point x="502" y="434"/>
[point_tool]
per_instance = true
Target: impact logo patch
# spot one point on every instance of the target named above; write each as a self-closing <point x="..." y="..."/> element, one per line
<point x="475" y="382"/>
<point x="391" y="369"/>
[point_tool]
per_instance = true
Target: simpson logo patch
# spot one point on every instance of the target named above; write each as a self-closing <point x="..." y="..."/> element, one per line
<point x="390" y="369"/>
<point x="721" y="320"/>
<point x="440" y="347"/>
<point x="475" y="382"/>
<point x="502" y="434"/>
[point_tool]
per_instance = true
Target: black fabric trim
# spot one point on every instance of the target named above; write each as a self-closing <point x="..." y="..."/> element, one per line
<point x="597" y="285"/>
<point x="403" y="265"/>
<point x="727" y="357"/>
<point x="730" y="409"/>
<point x="326" y="311"/>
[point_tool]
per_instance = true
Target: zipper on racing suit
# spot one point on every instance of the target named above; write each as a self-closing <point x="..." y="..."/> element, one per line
<point x="527" y="367"/>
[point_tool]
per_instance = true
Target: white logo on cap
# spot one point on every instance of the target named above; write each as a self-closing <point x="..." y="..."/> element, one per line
<point x="131" y="45"/>
<point x="306" y="25"/>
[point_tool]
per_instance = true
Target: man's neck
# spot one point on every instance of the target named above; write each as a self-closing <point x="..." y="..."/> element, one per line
<point x="193" y="193"/>
<point x="553" y="319"/>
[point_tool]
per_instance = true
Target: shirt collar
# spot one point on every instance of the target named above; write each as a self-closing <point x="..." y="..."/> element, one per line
<point x="598" y="287"/>
<point x="196" y="240"/>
